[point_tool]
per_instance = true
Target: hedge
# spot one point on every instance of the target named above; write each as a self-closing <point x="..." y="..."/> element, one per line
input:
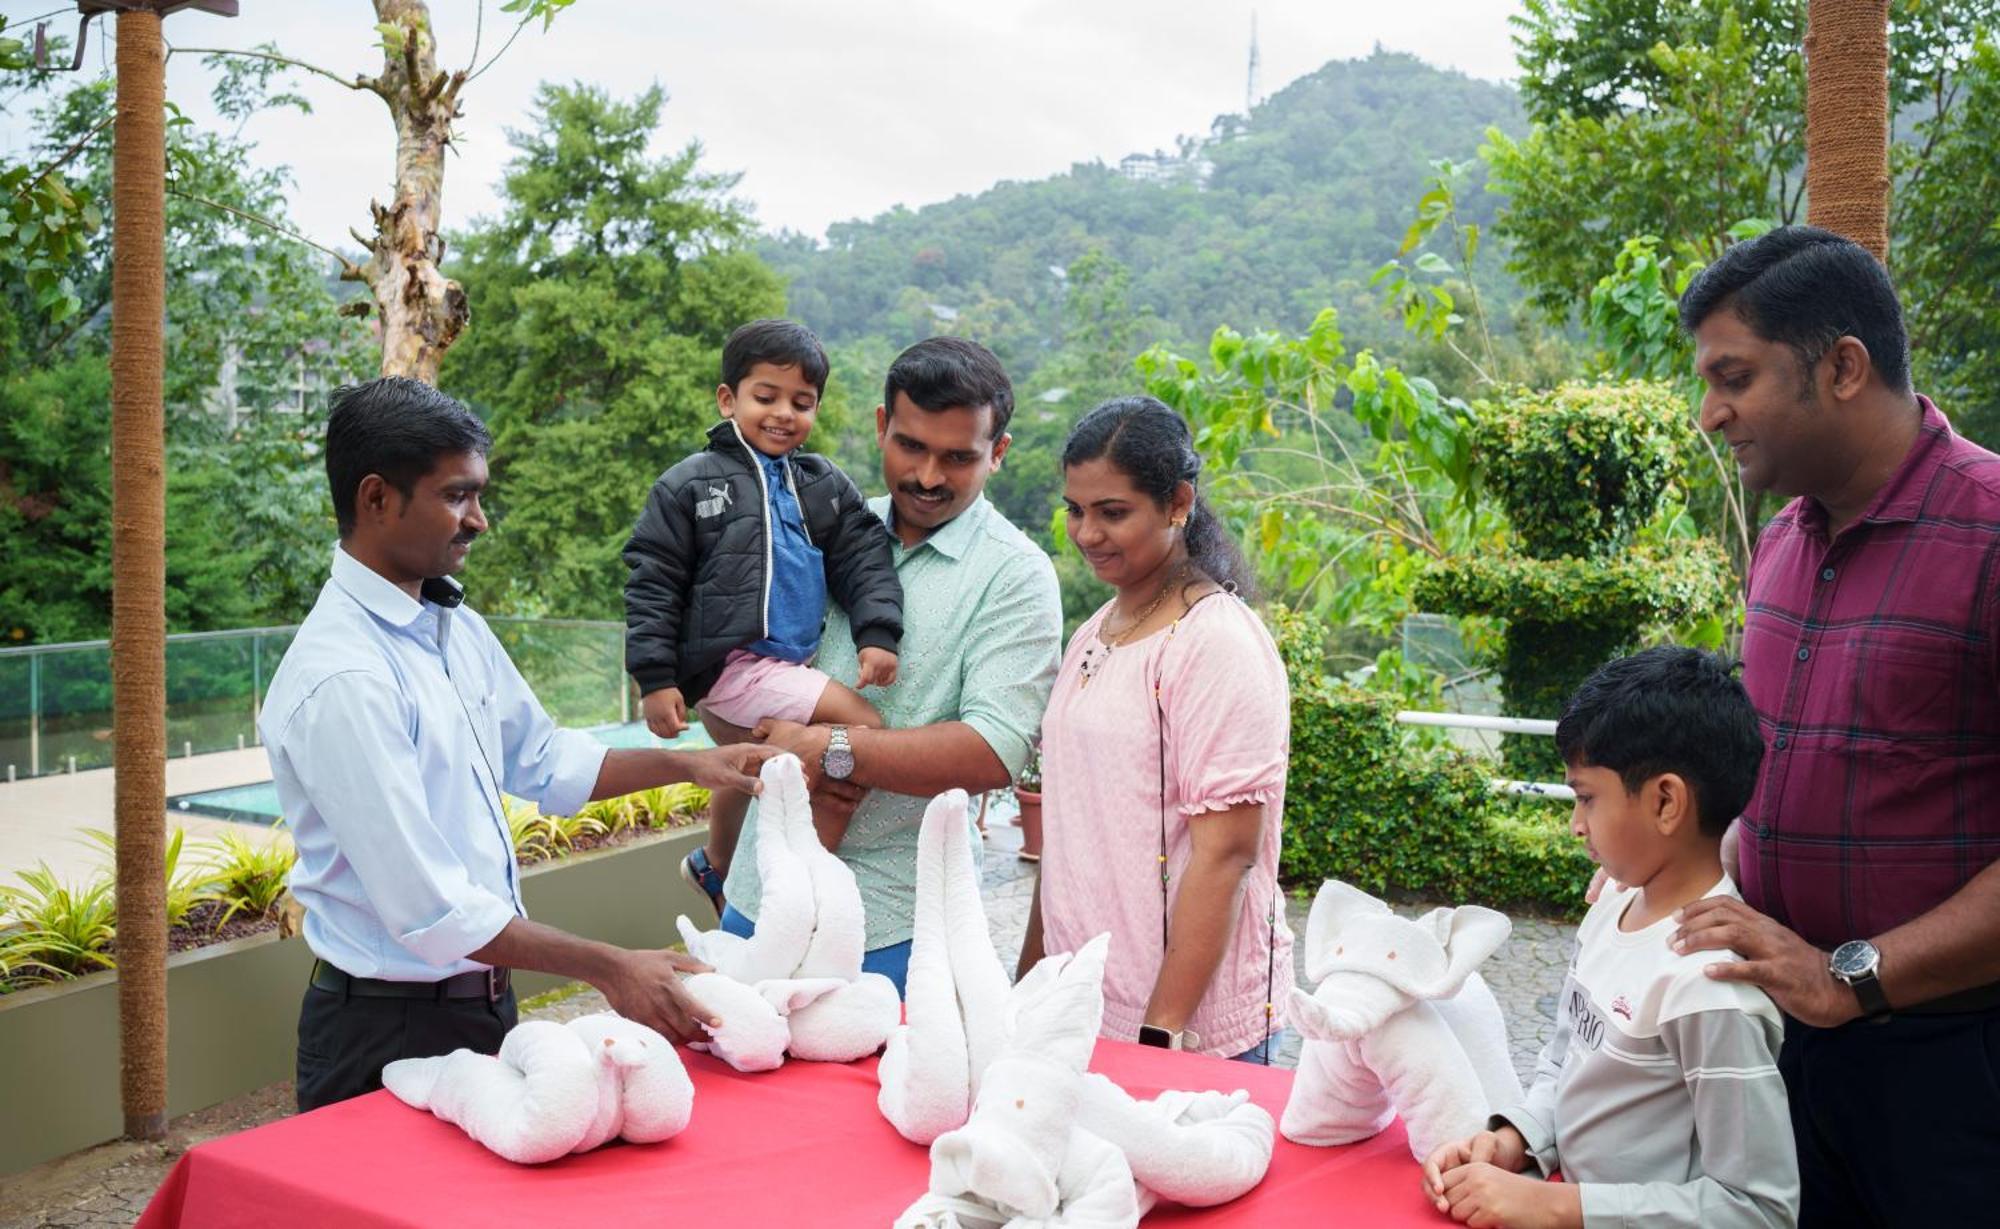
<point x="1375" y="806"/>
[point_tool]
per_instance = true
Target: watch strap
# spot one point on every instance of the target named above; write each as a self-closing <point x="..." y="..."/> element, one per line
<point x="1868" y="989"/>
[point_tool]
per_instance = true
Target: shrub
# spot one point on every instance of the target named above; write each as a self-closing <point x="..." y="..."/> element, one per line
<point x="60" y="930"/>
<point x="186" y="887"/>
<point x="249" y="877"/>
<point x="1387" y="813"/>
<point x="1579" y="471"/>
<point x="670" y="806"/>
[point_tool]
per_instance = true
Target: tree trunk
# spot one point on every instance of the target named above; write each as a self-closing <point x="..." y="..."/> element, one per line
<point x="1847" y="120"/>
<point x="421" y="311"/>
<point x="139" y="568"/>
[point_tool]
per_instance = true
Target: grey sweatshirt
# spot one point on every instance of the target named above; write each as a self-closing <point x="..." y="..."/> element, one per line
<point x="1659" y="1093"/>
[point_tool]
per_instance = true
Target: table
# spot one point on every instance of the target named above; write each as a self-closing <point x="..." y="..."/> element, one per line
<point x="802" y="1145"/>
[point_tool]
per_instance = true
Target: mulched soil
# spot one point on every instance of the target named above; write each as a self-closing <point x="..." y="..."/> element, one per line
<point x="586" y="842"/>
<point x="200" y="929"/>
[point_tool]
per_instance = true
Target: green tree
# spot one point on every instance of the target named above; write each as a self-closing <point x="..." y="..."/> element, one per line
<point x="605" y="290"/>
<point x="253" y="345"/>
<point x="1685" y="119"/>
<point x="1262" y="222"/>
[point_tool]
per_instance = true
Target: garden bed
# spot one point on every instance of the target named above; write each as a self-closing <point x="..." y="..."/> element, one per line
<point x="52" y="931"/>
<point x="232" y="1006"/>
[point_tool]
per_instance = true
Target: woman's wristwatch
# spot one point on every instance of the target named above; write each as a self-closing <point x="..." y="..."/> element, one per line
<point x="1161" y="1038"/>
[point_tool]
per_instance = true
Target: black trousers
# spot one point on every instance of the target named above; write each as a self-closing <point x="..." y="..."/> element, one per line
<point x="1898" y="1123"/>
<point x="346" y="1040"/>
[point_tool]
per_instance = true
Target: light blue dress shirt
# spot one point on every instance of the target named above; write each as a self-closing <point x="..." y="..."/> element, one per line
<point x="393" y="725"/>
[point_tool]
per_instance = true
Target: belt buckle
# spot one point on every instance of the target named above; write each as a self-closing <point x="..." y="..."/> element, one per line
<point x="494" y="989"/>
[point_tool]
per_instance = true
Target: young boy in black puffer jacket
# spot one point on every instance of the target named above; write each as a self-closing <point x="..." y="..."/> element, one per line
<point x="739" y="547"/>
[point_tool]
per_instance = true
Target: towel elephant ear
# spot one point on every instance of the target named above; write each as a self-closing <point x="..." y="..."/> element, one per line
<point x="1467" y="935"/>
<point x="1335" y="905"/>
<point x="1062" y="1023"/>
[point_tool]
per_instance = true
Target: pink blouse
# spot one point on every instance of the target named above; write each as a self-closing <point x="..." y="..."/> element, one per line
<point x="1226" y="740"/>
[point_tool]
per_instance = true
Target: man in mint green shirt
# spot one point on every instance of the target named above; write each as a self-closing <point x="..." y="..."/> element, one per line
<point x="982" y="635"/>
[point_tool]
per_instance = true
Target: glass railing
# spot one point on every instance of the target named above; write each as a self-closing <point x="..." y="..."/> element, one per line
<point x="55" y="700"/>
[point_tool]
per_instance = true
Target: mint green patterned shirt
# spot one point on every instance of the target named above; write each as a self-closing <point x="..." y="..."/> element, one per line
<point x="982" y="634"/>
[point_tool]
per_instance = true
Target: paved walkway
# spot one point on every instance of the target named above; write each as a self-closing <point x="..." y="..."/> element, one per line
<point x="43" y="819"/>
<point x="110" y="1185"/>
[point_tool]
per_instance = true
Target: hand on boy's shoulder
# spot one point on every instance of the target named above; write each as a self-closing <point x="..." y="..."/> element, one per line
<point x="1773" y="958"/>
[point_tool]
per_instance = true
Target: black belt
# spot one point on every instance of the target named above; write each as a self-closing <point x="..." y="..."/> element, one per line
<point x="491" y="985"/>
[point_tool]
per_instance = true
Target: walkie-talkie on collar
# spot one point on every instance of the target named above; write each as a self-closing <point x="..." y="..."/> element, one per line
<point x="443" y="591"/>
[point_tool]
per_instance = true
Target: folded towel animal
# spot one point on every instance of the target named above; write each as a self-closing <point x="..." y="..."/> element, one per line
<point x="955" y="987"/>
<point x="1193" y="1148"/>
<point x="1400" y="1022"/>
<point x="643" y="1092"/>
<point x="796" y="985"/>
<point x="1022" y="1153"/>
<point x="977" y="1054"/>
<point x="535" y="1102"/>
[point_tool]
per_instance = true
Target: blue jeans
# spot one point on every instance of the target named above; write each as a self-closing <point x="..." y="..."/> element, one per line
<point x="1264" y="1051"/>
<point x="892" y="962"/>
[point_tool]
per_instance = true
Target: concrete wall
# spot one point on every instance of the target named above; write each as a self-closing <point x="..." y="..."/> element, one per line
<point x="232" y="1008"/>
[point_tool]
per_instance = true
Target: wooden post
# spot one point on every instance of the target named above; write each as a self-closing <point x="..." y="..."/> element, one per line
<point x="1847" y="120"/>
<point x="139" y="567"/>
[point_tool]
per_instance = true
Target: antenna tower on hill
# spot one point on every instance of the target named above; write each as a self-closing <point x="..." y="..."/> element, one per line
<point x="1250" y="92"/>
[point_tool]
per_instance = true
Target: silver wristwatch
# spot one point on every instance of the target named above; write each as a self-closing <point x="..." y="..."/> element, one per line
<point x="838" y="761"/>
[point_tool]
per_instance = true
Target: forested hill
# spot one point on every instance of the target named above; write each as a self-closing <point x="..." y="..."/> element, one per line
<point x="1261" y="223"/>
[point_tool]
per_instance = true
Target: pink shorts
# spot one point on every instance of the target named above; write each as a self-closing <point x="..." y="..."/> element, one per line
<point x="752" y="688"/>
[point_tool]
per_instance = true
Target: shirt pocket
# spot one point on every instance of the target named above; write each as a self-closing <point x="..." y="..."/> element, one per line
<point x="486" y="722"/>
<point x="1909" y="689"/>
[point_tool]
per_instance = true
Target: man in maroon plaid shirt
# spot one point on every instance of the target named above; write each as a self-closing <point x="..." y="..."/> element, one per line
<point x="1870" y="854"/>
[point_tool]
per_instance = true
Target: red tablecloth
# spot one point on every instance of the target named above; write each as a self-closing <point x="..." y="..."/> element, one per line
<point x="800" y="1145"/>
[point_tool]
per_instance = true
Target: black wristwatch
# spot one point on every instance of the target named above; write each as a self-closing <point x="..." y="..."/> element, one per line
<point x="1858" y="964"/>
<point x="1161" y="1038"/>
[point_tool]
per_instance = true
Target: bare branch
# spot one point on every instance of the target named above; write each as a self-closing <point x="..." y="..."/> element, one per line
<point x="356" y="82"/>
<point x="63" y="158"/>
<point x="346" y="266"/>
<point x="478" y="31"/>
<point x="520" y="26"/>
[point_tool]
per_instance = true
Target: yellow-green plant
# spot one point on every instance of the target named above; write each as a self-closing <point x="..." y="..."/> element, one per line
<point x="535" y="838"/>
<point x="581" y="824"/>
<point x="669" y="805"/>
<point x="614" y="815"/>
<point x="186" y="886"/>
<point x="64" y="930"/>
<point x="250" y="878"/>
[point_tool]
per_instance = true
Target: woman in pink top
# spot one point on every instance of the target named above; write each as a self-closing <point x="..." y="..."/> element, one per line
<point x="1163" y="755"/>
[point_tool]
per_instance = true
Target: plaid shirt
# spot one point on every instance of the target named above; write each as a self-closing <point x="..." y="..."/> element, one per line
<point x="1873" y="665"/>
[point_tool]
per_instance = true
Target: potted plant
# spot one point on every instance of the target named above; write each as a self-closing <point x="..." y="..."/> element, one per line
<point x="1028" y="793"/>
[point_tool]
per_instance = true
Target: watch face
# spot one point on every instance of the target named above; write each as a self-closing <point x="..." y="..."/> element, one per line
<point x="1855" y="958"/>
<point x="839" y="763"/>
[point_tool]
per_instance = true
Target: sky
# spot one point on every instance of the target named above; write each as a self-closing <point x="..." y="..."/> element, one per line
<point x="829" y="111"/>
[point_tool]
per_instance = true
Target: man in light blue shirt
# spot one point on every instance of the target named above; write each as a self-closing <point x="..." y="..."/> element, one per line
<point x="394" y="724"/>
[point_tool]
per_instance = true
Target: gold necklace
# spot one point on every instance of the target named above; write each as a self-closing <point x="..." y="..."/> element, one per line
<point x="1093" y="662"/>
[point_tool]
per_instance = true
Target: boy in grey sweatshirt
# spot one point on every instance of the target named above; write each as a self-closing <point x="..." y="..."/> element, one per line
<point x="1658" y="1097"/>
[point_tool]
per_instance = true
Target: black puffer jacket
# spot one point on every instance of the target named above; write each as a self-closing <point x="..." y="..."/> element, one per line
<point x="704" y="530"/>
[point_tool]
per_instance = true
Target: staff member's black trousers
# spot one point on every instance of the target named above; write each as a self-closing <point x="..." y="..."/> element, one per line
<point x="1898" y="1123"/>
<point x="346" y="1038"/>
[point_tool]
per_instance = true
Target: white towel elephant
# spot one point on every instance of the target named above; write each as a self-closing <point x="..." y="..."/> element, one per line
<point x="1400" y="1022"/>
